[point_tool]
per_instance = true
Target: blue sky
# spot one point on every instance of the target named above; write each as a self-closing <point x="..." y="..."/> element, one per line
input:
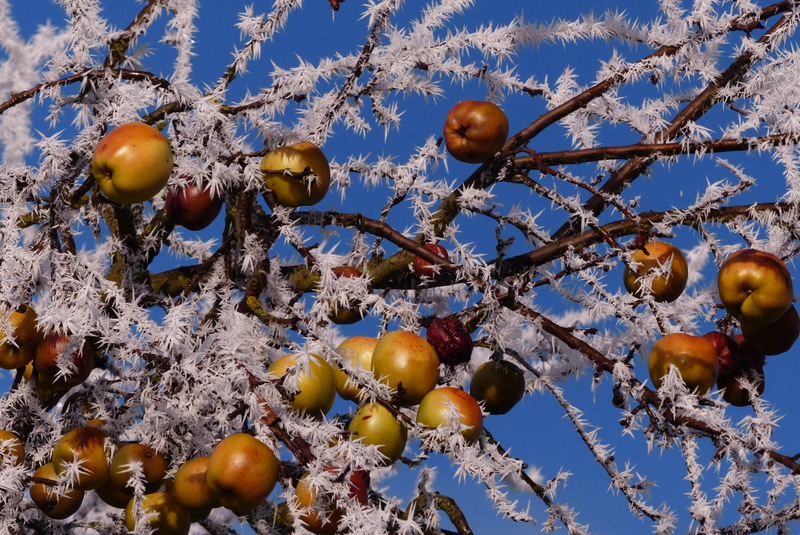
<point x="537" y="429"/>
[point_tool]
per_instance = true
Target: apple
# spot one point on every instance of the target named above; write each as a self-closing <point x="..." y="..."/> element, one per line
<point x="26" y="336"/>
<point x="153" y="466"/>
<point x="450" y="339"/>
<point x="500" y="385"/>
<point x="375" y="425"/>
<point x="755" y="287"/>
<point x="297" y="174"/>
<point x="46" y="362"/>
<point x="319" y="515"/>
<point x="408" y="364"/>
<point x="475" y="131"/>
<point x="86" y="447"/>
<point x="164" y="514"/>
<point x="51" y="502"/>
<point x="695" y="357"/>
<point x="114" y="496"/>
<point x="357" y="351"/>
<point x="747" y="364"/>
<point x="132" y="163"/>
<point x="315" y="389"/>
<point x="190" y="487"/>
<point x="422" y="267"/>
<point x="12" y="450"/>
<point x="657" y="255"/>
<point x="345" y="314"/>
<point x="448" y="405"/>
<point x="775" y="338"/>
<point x="727" y="350"/>
<point x="192" y="206"/>
<point x="241" y="471"/>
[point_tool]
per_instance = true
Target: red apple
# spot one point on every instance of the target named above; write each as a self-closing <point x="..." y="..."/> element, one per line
<point x="475" y="131"/>
<point x="298" y="175"/>
<point x="775" y="338"/>
<point x="450" y="339"/>
<point x="320" y="515"/>
<point x="695" y="357"/>
<point x="132" y="163"/>
<point x="657" y="255"/>
<point x="193" y="207"/>
<point x="422" y="267"/>
<point x="81" y="363"/>
<point x="749" y="365"/>
<point x="755" y="287"/>
<point x="241" y="471"/>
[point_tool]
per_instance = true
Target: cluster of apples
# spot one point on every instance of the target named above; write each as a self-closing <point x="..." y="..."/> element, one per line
<point x="24" y="346"/>
<point x="134" y="161"/>
<point x="755" y="288"/>
<point x="239" y="475"/>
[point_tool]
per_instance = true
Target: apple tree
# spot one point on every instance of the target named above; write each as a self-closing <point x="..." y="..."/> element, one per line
<point x="256" y="276"/>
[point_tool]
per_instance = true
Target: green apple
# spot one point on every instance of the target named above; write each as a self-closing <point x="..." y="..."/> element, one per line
<point x="316" y="388"/>
<point x="49" y="501"/>
<point x="446" y="406"/>
<point x="132" y="163"/>
<point x="298" y="174"/>
<point x="375" y="425"/>
<point x="408" y="364"/>
<point x="241" y="471"/>
<point x="499" y="385"/>
<point x="164" y="514"/>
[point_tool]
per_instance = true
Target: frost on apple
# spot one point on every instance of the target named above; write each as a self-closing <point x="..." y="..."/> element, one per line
<point x="639" y="122"/>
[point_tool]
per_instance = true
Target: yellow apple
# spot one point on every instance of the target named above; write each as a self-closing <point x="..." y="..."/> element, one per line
<point x="114" y="496"/>
<point x="132" y="163"/>
<point x="375" y="425"/>
<point x="241" y="471"/>
<point x="26" y="337"/>
<point x="407" y="363"/>
<point x="190" y="487"/>
<point x="316" y="388"/>
<point x="12" y="450"/>
<point x="47" y="498"/>
<point x="86" y="446"/>
<point x="357" y="350"/>
<point x="153" y="466"/>
<point x="445" y="405"/>
<point x="298" y="175"/>
<point x="655" y="255"/>
<point x="755" y="287"/>
<point x="164" y="514"/>
<point x="695" y="357"/>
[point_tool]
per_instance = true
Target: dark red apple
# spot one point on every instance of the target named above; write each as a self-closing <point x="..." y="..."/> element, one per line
<point x="193" y="207"/>
<point x="46" y="361"/>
